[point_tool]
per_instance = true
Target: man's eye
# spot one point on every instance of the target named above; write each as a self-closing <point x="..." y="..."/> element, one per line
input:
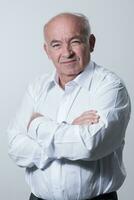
<point x="76" y="42"/>
<point x="56" y="45"/>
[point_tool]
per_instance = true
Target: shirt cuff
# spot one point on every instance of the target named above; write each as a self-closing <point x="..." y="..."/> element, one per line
<point x="32" y="132"/>
<point x="42" y="130"/>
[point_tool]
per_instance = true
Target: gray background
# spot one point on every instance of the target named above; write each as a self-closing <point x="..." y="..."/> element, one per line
<point x="22" y="59"/>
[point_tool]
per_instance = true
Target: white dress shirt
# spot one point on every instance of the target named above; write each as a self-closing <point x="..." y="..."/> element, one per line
<point x="65" y="161"/>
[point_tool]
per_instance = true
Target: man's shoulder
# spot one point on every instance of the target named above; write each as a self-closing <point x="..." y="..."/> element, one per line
<point x="105" y="78"/>
<point x="38" y="85"/>
<point x="105" y="75"/>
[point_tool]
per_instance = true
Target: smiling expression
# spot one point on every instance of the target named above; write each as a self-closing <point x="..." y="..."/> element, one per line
<point x="67" y="46"/>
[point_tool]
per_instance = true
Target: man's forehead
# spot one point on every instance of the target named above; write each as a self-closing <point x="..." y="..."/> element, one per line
<point x="63" y="36"/>
<point x="69" y="26"/>
<point x="64" y="17"/>
<point x="62" y="22"/>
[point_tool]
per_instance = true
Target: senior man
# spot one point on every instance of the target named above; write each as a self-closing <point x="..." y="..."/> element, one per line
<point x="69" y="131"/>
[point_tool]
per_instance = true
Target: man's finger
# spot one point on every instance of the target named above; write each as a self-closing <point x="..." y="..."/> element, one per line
<point x="86" y="120"/>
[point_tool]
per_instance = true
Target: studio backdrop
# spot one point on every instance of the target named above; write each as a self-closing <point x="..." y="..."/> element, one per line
<point x="22" y="58"/>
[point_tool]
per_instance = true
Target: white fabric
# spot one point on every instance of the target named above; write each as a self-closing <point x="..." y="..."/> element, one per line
<point x="65" y="161"/>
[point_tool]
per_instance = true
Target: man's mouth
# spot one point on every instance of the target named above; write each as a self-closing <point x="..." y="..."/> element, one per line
<point x="68" y="61"/>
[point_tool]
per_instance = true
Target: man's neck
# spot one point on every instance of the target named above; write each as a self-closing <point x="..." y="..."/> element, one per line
<point x="64" y="80"/>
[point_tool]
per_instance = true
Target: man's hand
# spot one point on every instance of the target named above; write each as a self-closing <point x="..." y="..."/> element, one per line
<point x="88" y="117"/>
<point x="34" y="116"/>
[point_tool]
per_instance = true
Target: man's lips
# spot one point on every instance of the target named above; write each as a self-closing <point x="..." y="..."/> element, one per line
<point x="68" y="61"/>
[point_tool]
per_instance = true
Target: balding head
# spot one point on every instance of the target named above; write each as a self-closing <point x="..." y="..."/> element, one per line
<point x="80" y="19"/>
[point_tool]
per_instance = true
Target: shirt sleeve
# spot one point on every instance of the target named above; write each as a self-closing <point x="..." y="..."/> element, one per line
<point x="23" y="149"/>
<point x="88" y="142"/>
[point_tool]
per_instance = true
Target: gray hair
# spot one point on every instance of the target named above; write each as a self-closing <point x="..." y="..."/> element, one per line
<point x="83" y="20"/>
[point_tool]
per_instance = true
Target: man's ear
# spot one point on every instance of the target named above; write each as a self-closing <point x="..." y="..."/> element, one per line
<point x="92" y="40"/>
<point x="46" y="50"/>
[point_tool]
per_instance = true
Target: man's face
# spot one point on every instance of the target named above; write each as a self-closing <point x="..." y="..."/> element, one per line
<point x="67" y="47"/>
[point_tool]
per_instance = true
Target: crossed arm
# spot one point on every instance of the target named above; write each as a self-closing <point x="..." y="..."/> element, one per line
<point x="91" y="136"/>
<point x="88" y="117"/>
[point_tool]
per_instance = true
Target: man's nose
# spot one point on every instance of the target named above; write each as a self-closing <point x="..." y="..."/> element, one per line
<point x="67" y="51"/>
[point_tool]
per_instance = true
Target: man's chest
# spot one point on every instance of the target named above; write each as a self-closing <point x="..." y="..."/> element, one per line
<point x="64" y="106"/>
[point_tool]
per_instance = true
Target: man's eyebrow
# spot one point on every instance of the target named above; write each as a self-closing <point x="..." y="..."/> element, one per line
<point x="55" y="41"/>
<point x="59" y="41"/>
<point x="75" y="36"/>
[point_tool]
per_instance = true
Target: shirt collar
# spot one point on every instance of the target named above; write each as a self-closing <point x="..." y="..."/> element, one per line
<point x="53" y="80"/>
<point x="83" y="79"/>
